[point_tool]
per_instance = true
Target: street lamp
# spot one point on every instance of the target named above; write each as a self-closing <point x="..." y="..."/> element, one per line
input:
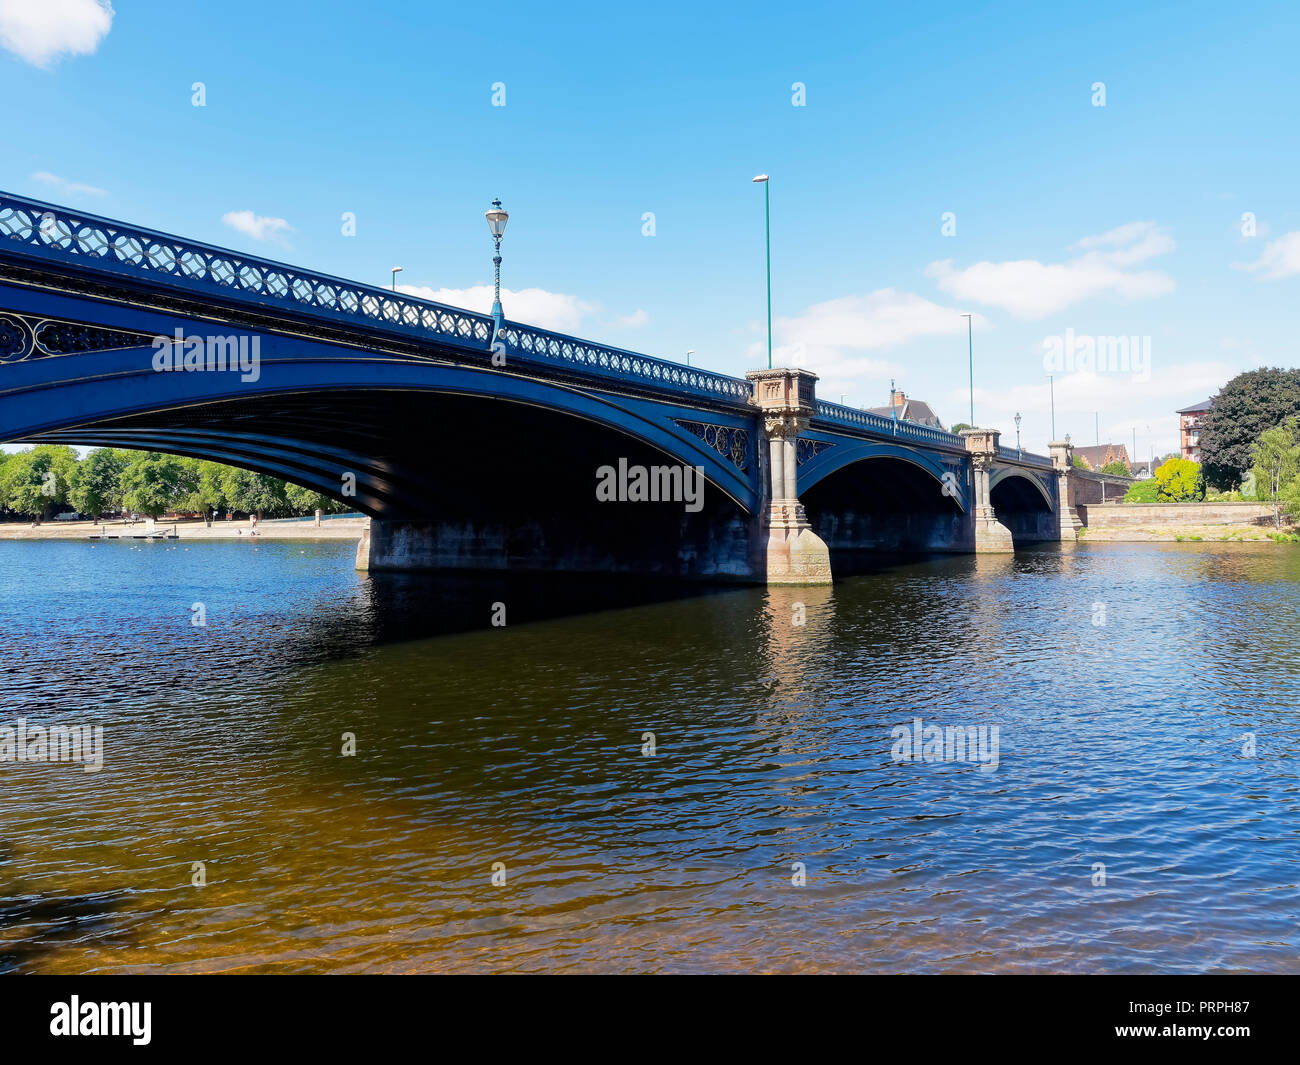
<point x="767" y="229"/>
<point x="396" y="270"/>
<point x="688" y="356"/>
<point x="497" y="217"/>
<point x="1051" y="395"/>
<point x="970" y="351"/>
<point x="1018" y="434"/>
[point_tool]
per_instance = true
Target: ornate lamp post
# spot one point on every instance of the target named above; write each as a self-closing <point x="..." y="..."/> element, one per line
<point x="497" y="217"/>
<point x="1018" y="454"/>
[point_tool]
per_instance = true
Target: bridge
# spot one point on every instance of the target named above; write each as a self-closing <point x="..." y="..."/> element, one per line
<point x="474" y="444"/>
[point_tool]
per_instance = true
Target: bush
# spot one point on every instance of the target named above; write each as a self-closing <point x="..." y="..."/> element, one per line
<point x="1142" y="492"/>
<point x="1179" y="481"/>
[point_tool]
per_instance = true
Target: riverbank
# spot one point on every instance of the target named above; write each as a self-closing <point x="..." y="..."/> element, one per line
<point x="197" y="529"/>
<point x="1238" y="522"/>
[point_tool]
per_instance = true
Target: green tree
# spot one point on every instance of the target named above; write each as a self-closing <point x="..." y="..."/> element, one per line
<point x="1247" y="406"/>
<point x="33" y="481"/>
<point x="308" y="501"/>
<point x="96" y="484"/>
<point x="1276" y="464"/>
<point x="960" y="426"/>
<point x="254" y="493"/>
<point x="205" y="482"/>
<point x="1116" y="467"/>
<point x="1179" y="481"/>
<point x="153" y="483"/>
<point x="1142" y="491"/>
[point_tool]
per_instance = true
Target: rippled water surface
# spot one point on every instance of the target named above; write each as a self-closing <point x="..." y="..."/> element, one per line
<point x="1119" y="743"/>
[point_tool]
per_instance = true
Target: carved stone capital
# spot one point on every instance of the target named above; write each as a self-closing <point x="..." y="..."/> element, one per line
<point x="785" y="425"/>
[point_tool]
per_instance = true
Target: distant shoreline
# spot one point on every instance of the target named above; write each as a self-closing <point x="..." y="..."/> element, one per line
<point x="195" y="529"/>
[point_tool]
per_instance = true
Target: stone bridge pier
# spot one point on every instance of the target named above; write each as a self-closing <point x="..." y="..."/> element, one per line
<point x="795" y="554"/>
<point x="990" y="534"/>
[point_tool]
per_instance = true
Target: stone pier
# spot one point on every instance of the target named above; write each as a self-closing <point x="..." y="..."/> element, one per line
<point x="795" y="554"/>
<point x="1067" y="494"/>
<point x="991" y="536"/>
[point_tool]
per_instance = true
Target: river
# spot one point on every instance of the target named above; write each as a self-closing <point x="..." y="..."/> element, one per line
<point x="1128" y="824"/>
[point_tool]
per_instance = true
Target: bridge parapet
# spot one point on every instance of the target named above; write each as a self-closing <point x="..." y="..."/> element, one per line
<point x="851" y="417"/>
<point x="32" y="232"/>
<point x="1029" y="458"/>
<point x="626" y="367"/>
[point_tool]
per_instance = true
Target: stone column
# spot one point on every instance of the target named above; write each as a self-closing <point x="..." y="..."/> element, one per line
<point x="1062" y="452"/>
<point x="795" y="554"/>
<point x="990" y="534"/>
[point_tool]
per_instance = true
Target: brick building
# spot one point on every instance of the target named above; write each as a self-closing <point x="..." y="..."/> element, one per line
<point x="1189" y="428"/>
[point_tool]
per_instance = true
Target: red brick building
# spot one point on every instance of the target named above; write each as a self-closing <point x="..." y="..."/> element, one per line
<point x="1094" y="458"/>
<point x="1189" y="428"/>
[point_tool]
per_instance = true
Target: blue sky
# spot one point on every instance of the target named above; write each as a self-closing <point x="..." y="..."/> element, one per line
<point x="1069" y="219"/>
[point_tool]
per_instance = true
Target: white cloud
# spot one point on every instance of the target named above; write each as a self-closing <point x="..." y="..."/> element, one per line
<point x="834" y="339"/>
<point x="635" y="320"/>
<point x="1123" y="404"/>
<point x="1032" y="289"/>
<point x="39" y="31"/>
<point x="255" y="225"/>
<point x="531" y="306"/>
<point x="65" y="185"/>
<point x="1280" y="258"/>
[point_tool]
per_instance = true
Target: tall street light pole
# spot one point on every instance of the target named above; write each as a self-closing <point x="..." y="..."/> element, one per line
<point x="688" y="356"/>
<point x="396" y="270"/>
<point x="497" y="216"/>
<point x="767" y="229"/>
<point x="1051" y="395"/>
<point x="970" y="351"/>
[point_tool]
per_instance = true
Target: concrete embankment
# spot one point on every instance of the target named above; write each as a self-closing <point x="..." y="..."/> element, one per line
<point x="1178" y="521"/>
<point x="242" y="529"/>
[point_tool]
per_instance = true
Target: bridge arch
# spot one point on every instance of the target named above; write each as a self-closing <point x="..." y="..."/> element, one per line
<point x="317" y="409"/>
<point x="872" y="496"/>
<point x="1023" y="504"/>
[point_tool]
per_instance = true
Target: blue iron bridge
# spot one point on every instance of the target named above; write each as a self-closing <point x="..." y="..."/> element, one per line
<point x="414" y="411"/>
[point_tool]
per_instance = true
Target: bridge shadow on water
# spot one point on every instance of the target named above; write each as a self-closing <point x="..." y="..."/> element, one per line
<point x="415" y="606"/>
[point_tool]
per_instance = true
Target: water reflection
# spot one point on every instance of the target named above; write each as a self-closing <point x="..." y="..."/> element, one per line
<point x="1121" y="744"/>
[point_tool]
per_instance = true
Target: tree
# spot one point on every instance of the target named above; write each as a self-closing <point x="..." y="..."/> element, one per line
<point x="206" y="482"/>
<point x="308" y="501"/>
<point x="1276" y="457"/>
<point x="152" y="483"/>
<point x="960" y="426"/>
<point x="1078" y="462"/>
<point x="31" y="482"/>
<point x="96" y="485"/>
<point x="1179" y="481"/>
<point x="1247" y="406"/>
<point x="1116" y="467"/>
<point x="1142" y="492"/>
<point x="254" y="493"/>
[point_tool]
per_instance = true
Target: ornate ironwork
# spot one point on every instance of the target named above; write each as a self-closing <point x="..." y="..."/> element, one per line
<point x="71" y="338"/>
<point x="105" y="244"/>
<point x="878" y="425"/>
<point x="731" y="443"/>
<point x="805" y="449"/>
<point x="115" y="248"/>
<point x="15" y="339"/>
<point x="1020" y="455"/>
<point x="630" y="366"/>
